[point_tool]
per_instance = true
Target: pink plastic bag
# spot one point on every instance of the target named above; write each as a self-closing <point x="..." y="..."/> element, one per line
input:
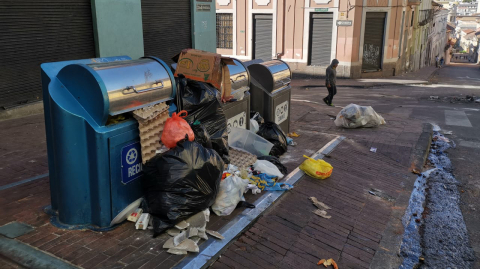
<point x="175" y="130"/>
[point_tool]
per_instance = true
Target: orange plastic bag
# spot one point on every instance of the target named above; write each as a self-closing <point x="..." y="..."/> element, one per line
<point x="175" y="130"/>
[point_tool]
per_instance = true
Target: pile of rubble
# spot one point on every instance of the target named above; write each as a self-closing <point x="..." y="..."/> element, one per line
<point x="186" y="235"/>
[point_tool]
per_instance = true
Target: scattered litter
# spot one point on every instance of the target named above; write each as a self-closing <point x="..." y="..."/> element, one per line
<point x="241" y="158"/>
<point x="198" y="220"/>
<point x="196" y="239"/>
<point x="268" y="183"/>
<point x="290" y="142"/>
<point x="143" y="221"/>
<point x="328" y="263"/>
<point x="319" y="169"/>
<point x="192" y="232"/>
<point x="354" y="116"/>
<point x="319" y="204"/>
<point x="442" y="138"/>
<point x="230" y="192"/>
<point x="202" y="234"/>
<point x="381" y="194"/>
<point x="179" y="238"/>
<point x="477" y="101"/>
<point x="293" y="134"/>
<point x="182" y="225"/>
<point x="173" y="231"/>
<point x="135" y="215"/>
<point x="177" y="251"/>
<point x="433" y="97"/>
<point x="169" y="243"/>
<point x="254" y="188"/>
<point x="187" y="245"/>
<point x="416" y="172"/>
<point x="373" y="150"/>
<point x="267" y="167"/>
<point x="448" y="132"/>
<point x="321" y="213"/>
<point x="215" y="234"/>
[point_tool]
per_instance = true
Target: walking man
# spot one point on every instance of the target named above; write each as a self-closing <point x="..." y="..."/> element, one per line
<point x="331" y="82"/>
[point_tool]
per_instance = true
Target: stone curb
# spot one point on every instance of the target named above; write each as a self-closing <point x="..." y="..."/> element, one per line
<point x="388" y="254"/>
<point x="30" y="257"/>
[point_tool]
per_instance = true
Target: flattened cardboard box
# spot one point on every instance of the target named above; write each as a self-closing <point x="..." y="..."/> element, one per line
<point x="204" y="66"/>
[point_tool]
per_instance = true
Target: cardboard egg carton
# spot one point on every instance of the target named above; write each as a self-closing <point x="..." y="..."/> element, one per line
<point x="241" y="158"/>
<point x="150" y="112"/>
<point x="151" y="128"/>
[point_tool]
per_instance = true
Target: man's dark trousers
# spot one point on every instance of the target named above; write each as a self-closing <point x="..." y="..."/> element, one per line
<point x="332" y="90"/>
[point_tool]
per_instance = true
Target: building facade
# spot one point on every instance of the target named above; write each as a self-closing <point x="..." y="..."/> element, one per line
<point x="370" y="38"/>
<point x="35" y="32"/>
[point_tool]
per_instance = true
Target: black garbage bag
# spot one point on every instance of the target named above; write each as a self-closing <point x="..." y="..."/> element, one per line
<point x="200" y="101"/>
<point x="272" y="132"/>
<point x="276" y="162"/>
<point x="180" y="183"/>
<point x="201" y="135"/>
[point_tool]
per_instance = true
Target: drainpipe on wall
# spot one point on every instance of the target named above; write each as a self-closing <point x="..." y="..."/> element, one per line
<point x="282" y="53"/>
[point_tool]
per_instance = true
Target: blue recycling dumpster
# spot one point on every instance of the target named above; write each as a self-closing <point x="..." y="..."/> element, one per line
<point x="94" y="161"/>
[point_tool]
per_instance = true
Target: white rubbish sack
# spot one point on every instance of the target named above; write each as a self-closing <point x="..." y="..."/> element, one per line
<point x="267" y="168"/>
<point x="354" y="116"/>
<point x="230" y="193"/>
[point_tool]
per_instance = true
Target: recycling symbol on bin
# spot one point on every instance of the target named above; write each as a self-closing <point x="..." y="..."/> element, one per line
<point x="132" y="156"/>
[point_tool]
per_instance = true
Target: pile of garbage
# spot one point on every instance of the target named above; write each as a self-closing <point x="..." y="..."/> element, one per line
<point x="198" y="166"/>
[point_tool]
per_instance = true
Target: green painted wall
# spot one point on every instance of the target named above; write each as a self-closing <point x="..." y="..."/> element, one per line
<point x="204" y="25"/>
<point x="118" y="28"/>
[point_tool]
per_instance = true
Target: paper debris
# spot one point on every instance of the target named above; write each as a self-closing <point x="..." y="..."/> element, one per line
<point x="373" y="149"/>
<point x="143" y="221"/>
<point x="321" y="213"/>
<point x="177" y="240"/>
<point x="215" y="234"/>
<point x="192" y="232"/>
<point x="173" y="232"/>
<point x="177" y="251"/>
<point x="169" y="243"/>
<point x="188" y="245"/>
<point x="135" y="215"/>
<point x="202" y="234"/>
<point x="319" y="204"/>
<point x="182" y="225"/>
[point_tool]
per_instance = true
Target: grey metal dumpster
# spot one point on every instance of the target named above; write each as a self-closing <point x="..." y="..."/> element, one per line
<point x="271" y="92"/>
<point x="238" y="112"/>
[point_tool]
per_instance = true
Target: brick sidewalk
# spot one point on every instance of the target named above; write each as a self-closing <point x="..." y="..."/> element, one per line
<point x="291" y="236"/>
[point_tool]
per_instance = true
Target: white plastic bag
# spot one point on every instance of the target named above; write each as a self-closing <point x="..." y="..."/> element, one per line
<point x="230" y="193"/>
<point x="354" y="116"/>
<point x="267" y="168"/>
<point x="254" y="127"/>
